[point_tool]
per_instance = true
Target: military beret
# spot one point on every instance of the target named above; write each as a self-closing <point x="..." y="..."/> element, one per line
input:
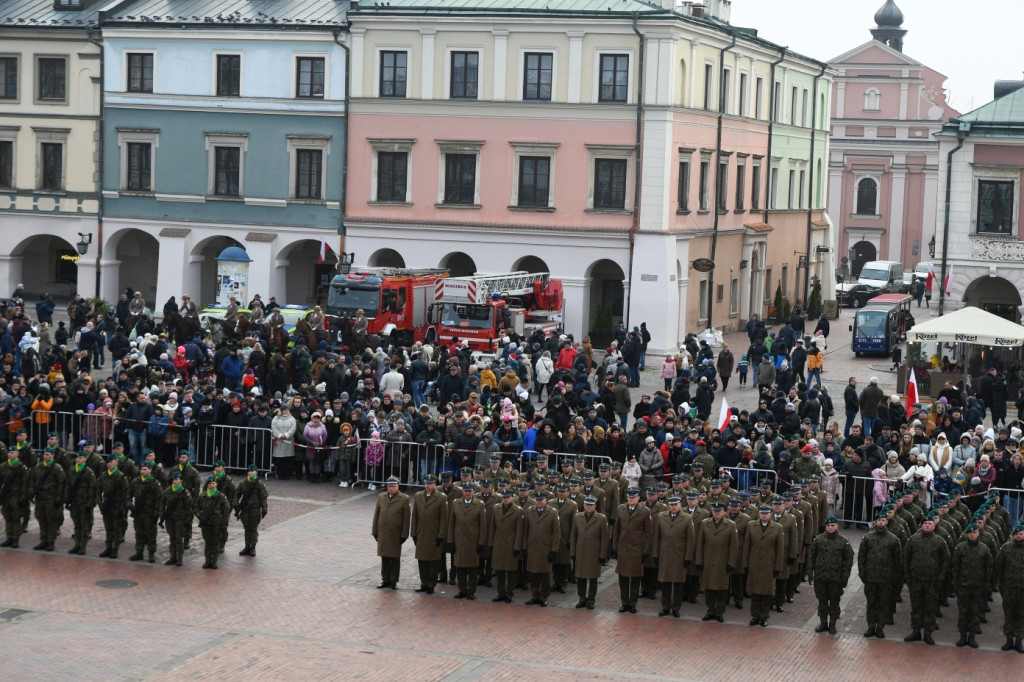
<point x="53" y="434"/>
<point x="149" y="465"/>
<point x="219" y="463"/>
<point x="717" y="507"/>
<point x="692" y="495"/>
<point x="589" y="500"/>
<point x="253" y="467"/>
<point x="744" y="495"/>
<point x="734" y="502"/>
<point x="971" y="528"/>
<point x="21" y="431"/>
<point x="430" y="478"/>
<point x="562" y="488"/>
<point x="932" y="516"/>
<point x="831" y="519"/>
<point x="541" y="495"/>
<point x="111" y="457"/>
<point x="524" y="486"/>
<point x="887" y="507"/>
<point x="89" y="442"/>
<point x="119" y="444"/>
<point x="486" y="483"/>
<point x="506" y="493"/>
<point x="1019" y="528"/>
<point x="881" y="515"/>
<point x="210" y="479"/>
<point x="675" y="499"/>
<point x="632" y="492"/>
<point x="392" y="480"/>
<point x="81" y="454"/>
<point x="764" y="509"/>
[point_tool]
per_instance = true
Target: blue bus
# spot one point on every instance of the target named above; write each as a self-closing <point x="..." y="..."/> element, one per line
<point x="881" y="324"/>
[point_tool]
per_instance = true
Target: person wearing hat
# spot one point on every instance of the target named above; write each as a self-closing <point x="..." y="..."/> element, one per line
<point x="737" y="580"/>
<point x="227" y="487"/>
<point x="925" y="562"/>
<point x="81" y="501"/>
<point x="428" y="528"/>
<point x="190" y="479"/>
<point x="672" y="551"/>
<point x="505" y="523"/>
<point x="250" y="505"/>
<point x="47" y="485"/>
<point x="880" y="568"/>
<point x="794" y="545"/>
<point x="466" y="535"/>
<point x="112" y="499"/>
<point x="655" y="506"/>
<point x="177" y="513"/>
<point x="971" y="575"/>
<point x="1008" y="575"/>
<point x="764" y="560"/>
<point x="390" y="530"/>
<point x="633" y="530"/>
<point x="588" y="543"/>
<point x="144" y="496"/>
<point x="716" y="555"/>
<point x="159" y="473"/>
<point x="566" y="508"/>
<point x="210" y="508"/>
<point x="829" y="563"/>
<point x="541" y="539"/>
<point x="697" y="514"/>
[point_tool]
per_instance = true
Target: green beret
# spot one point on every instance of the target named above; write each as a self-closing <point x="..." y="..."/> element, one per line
<point x="971" y="528"/>
<point x="1019" y="528"/>
<point x="253" y="467"/>
<point x="175" y="474"/>
<point x="219" y="463"/>
<point x="831" y="519"/>
<point x="210" y="479"/>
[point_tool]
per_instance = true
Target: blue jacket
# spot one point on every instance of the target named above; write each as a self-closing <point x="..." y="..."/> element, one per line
<point x="158" y="425"/>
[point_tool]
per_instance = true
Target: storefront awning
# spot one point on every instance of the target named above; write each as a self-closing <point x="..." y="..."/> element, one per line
<point x="969" y="325"/>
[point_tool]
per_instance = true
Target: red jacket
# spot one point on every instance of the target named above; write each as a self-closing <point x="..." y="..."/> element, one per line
<point x="566" y="356"/>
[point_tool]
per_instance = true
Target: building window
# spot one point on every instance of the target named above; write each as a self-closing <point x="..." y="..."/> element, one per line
<point x="872" y="100"/>
<point x="741" y="185"/>
<point x="140" y="167"/>
<point x="777" y="102"/>
<point x="726" y="94"/>
<point x="465" y="75"/>
<point x="140" y="72"/>
<point x="227" y="171"/>
<point x="52" y="79"/>
<point x="229" y="75"/>
<point x="867" y="197"/>
<point x="758" y="96"/>
<point x="392" y="176"/>
<point x="800" y="189"/>
<point x="614" y="78"/>
<point x="394" y="71"/>
<point x="803" y="109"/>
<point x="722" y="185"/>
<point x="610" y="184"/>
<point x="792" y="106"/>
<point x="683" y="195"/>
<point x="792" y="190"/>
<point x="702" y="188"/>
<point x="773" y="189"/>
<point x="8" y="77"/>
<point x="995" y="207"/>
<point x="534" y="180"/>
<point x="309" y="165"/>
<point x="755" y="187"/>
<point x="784" y="281"/>
<point x="702" y="301"/>
<point x="768" y="293"/>
<point x="460" y="179"/>
<point x="309" y="77"/>
<point x="51" y="176"/>
<point x="709" y="86"/>
<point x="537" y="68"/>
<point x="7" y="163"/>
<point x="720" y="293"/>
<point x="734" y="297"/>
<point x="742" y="109"/>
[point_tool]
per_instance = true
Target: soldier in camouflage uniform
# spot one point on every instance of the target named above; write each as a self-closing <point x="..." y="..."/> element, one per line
<point x="190" y="479"/>
<point x="47" y="483"/>
<point x="13" y="496"/>
<point x="209" y="508"/>
<point x="81" y="501"/>
<point x="925" y="560"/>
<point x="227" y="488"/>
<point x="112" y="498"/>
<point x="177" y="511"/>
<point x="251" y="507"/>
<point x="829" y="563"/>
<point x="1008" y="573"/>
<point x="971" y="576"/>
<point x="145" y="493"/>
<point x="879" y="559"/>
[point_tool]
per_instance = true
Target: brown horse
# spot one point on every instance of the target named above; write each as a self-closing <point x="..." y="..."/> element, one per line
<point x="356" y="343"/>
<point x="276" y="337"/>
<point x="181" y="328"/>
<point x="313" y="338"/>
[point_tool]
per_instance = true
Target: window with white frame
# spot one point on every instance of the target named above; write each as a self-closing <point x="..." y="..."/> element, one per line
<point x="773" y="188"/>
<point x="8" y="76"/>
<point x="307" y="166"/>
<point x="758" y="96"/>
<point x="464" y="75"/>
<point x="792" y="189"/>
<point x="872" y="100"/>
<point x="8" y="145"/>
<point x="726" y="90"/>
<point x="704" y="183"/>
<point x="768" y="292"/>
<point x="792" y="105"/>
<point x="800" y="189"/>
<point x="393" y="74"/>
<point x="755" y="186"/>
<point x="533" y="175"/>
<point x="867" y="197"/>
<point x="741" y="186"/>
<point x="138" y="155"/>
<point x="51" y="79"/>
<point x="228" y="74"/>
<point x="613" y="74"/>
<point x="390" y="180"/>
<point x="803" y="108"/>
<point x="458" y="173"/>
<point x="51" y="158"/>
<point x="709" y="86"/>
<point x="310" y="77"/>
<point x="610" y="170"/>
<point x="226" y="165"/>
<point x="538" y="72"/>
<point x="741" y="108"/>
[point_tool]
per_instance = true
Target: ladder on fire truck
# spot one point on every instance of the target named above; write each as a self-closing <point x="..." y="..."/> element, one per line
<point x="483" y="287"/>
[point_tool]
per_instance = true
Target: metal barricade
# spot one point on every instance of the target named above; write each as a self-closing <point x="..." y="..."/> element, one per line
<point x="237" y="446"/>
<point x="1013" y="501"/>
<point x="558" y="459"/>
<point x="856" y="498"/>
<point x="744" y="478"/>
<point x="409" y="462"/>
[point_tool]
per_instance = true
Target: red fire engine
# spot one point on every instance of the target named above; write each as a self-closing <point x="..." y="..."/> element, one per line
<point x="397" y="302"/>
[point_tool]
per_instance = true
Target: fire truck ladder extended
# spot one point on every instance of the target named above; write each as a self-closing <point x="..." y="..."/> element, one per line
<point x="483" y="287"/>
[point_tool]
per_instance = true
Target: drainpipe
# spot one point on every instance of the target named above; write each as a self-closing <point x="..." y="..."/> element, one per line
<point x="718" y="162"/>
<point x="343" y="200"/>
<point x="638" y="154"/>
<point x="962" y="132"/>
<point x="810" y="187"/>
<point x="99" y="164"/>
<point x="771" y="136"/>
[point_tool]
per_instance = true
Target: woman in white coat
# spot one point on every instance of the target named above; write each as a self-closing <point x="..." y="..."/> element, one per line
<point x="941" y="454"/>
<point x="282" y="431"/>
<point x="545" y="368"/>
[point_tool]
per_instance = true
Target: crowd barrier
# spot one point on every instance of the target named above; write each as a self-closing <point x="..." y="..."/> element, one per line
<point x="378" y="460"/>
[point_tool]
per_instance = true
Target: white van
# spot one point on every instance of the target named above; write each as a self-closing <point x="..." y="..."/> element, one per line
<point x="887" y="275"/>
<point x="922" y="270"/>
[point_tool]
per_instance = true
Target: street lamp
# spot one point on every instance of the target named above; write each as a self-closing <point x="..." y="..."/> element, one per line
<point x="83" y="243"/>
<point x="931" y="247"/>
<point x="345" y="261"/>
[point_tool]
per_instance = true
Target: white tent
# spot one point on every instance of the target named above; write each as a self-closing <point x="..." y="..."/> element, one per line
<point x="969" y="325"/>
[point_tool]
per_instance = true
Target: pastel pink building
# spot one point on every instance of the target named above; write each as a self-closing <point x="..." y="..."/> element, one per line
<point x="884" y="159"/>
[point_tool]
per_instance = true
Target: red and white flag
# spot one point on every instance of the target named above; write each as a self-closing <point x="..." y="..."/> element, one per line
<point x="724" y="416"/>
<point x="323" y="251"/>
<point x="931" y="277"/>
<point x="911" y="393"/>
<point x="949" y="281"/>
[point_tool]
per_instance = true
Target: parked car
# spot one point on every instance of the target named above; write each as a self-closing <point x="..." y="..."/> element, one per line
<point x="291" y="314"/>
<point x="855" y="295"/>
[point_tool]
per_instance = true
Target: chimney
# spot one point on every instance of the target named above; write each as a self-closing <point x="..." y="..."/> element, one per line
<point x="696" y="10"/>
<point x="1003" y="88"/>
<point x="719" y="9"/>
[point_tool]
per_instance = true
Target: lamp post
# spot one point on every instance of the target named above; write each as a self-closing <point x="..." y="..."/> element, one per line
<point x="84" y="240"/>
<point x="931" y="247"/>
<point x="345" y="261"/>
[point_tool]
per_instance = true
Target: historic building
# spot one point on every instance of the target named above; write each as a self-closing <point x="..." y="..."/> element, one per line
<point x="49" y="127"/>
<point x="884" y="158"/>
<point x="610" y="147"/>
<point x="982" y="155"/>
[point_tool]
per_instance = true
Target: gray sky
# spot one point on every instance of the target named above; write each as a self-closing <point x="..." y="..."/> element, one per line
<point x="972" y="43"/>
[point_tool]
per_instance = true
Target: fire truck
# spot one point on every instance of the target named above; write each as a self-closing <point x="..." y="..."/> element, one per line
<point x="397" y="302"/>
<point x="479" y="309"/>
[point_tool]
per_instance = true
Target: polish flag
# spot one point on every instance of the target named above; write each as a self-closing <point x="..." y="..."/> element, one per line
<point x="323" y="251"/>
<point x="931" y="277"/>
<point x="911" y="393"/>
<point x="724" y="416"/>
<point x="949" y="281"/>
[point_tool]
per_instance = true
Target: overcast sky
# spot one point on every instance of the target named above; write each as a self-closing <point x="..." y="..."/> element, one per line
<point x="972" y="43"/>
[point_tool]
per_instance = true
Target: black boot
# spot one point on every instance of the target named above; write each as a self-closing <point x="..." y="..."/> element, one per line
<point x="963" y="639"/>
<point x="9" y="542"/>
<point x="822" y="626"/>
<point x="880" y="632"/>
<point x="870" y="632"/>
<point x="74" y="550"/>
<point x="831" y="626"/>
<point x="914" y="636"/>
<point x="971" y="642"/>
<point x="107" y="552"/>
<point x="1009" y="644"/>
<point x="245" y="551"/>
<point x="135" y="557"/>
<point x="928" y="638"/>
<point x="1019" y="646"/>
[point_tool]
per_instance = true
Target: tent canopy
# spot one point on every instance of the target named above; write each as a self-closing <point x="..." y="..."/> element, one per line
<point x="969" y="325"/>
